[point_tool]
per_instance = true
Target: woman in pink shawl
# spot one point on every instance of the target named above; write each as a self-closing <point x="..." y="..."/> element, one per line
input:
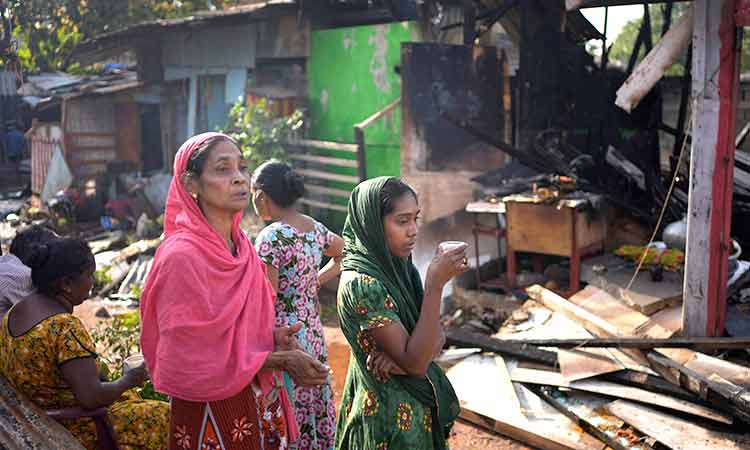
<point x="207" y="313"/>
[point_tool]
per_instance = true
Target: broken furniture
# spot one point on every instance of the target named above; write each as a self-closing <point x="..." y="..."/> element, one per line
<point x="496" y="209"/>
<point x="542" y="382"/>
<point x="562" y="229"/>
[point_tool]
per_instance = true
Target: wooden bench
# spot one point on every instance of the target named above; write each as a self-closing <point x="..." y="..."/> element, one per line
<point x="24" y="425"/>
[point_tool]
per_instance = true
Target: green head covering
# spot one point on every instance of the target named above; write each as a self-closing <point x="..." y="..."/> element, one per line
<point x="366" y="252"/>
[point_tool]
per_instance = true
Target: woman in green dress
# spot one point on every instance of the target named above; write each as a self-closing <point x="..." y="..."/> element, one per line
<point x="393" y="326"/>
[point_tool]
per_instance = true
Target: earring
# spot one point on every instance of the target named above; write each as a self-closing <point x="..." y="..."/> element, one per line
<point x="195" y="196"/>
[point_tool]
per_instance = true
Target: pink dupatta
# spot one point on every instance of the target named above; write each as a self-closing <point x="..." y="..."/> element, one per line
<point x="207" y="316"/>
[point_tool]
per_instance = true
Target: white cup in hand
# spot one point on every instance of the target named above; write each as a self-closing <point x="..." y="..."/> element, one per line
<point x="447" y="246"/>
<point x="132" y="362"/>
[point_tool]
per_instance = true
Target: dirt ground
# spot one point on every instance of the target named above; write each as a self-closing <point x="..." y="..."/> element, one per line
<point x="464" y="436"/>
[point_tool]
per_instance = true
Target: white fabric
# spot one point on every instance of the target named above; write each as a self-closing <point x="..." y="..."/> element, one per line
<point x="15" y="282"/>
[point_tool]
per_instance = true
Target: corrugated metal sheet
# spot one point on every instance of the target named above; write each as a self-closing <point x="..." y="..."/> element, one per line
<point x="90" y="134"/>
<point x="47" y="82"/>
<point x="24" y="426"/>
<point x="44" y="140"/>
<point x="217" y="47"/>
<point x="8" y="84"/>
<point x="108" y="44"/>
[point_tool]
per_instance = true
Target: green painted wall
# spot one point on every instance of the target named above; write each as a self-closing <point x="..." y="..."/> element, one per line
<point x="351" y="76"/>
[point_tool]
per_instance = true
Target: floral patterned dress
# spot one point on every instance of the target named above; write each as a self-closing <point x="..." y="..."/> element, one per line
<point x="375" y="415"/>
<point x="297" y="256"/>
<point x="31" y="363"/>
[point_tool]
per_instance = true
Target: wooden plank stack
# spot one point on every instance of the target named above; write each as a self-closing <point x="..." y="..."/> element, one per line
<point x="596" y="393"/>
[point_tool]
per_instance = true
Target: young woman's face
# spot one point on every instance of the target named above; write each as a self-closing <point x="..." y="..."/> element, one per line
<point x="401" y="226"/>
<point x="225" y="182"/>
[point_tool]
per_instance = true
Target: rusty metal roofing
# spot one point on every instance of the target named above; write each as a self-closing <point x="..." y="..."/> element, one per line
<point x="127" y="38"/>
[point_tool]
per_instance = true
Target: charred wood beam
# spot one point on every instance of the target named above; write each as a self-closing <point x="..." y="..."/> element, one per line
<point x="593" y="427"/>
<point x="648" y="38"/>
<point x="636" y="50"/>
<point x="470" y="22"/>
<point x="503" y="146"/>
<point x="667" y="21"/>
<point x="462" y="338"/>
<point x="498" y="15"/>
<point x="716" y="391"/>
<point x="648" y="382"/>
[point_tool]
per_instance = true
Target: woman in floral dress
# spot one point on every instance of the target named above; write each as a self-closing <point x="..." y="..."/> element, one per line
<point x="292" y="248"/>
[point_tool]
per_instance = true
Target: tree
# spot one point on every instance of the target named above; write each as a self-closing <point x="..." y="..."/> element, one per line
<point x="48" y="30"/>
<point x="259" y="132"/>
<point x="624" y="43"/>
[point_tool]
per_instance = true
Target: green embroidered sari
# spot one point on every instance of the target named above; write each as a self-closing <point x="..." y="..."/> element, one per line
<point x="404" y="413"/>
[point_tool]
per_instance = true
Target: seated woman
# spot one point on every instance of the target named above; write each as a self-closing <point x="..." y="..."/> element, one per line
<point x="47" y="354"/>
<point x="393" y="326"/>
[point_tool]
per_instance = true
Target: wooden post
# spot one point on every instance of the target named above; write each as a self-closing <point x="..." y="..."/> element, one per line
<point x="192" y="104"/>
<point x="715" y="85"/>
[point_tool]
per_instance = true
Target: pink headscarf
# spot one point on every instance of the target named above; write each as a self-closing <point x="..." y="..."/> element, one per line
<point x="207" y="316"/>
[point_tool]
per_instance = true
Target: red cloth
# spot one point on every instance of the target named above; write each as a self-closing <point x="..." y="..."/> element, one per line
<point x="207" y="316"/>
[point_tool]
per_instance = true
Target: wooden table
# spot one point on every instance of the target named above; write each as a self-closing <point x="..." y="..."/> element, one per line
<point x="562" y="229"/>
<point x="496" y="209"/>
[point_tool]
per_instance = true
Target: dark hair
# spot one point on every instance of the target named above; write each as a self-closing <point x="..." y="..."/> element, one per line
<point x="392" y="190"/>
<point x="280" y="182"/>
<point x="57" y="259"/>
<point x="23" y="242"/>
<point x="197" y="160"/>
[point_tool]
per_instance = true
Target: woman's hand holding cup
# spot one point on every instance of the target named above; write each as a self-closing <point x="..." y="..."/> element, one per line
<point x="449" y="260"/>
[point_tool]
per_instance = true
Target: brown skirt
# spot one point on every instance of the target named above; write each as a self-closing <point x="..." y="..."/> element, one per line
<point x="247" y="421"/>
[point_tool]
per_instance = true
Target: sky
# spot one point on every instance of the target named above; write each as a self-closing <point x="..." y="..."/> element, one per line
<point x="618" y="17"/>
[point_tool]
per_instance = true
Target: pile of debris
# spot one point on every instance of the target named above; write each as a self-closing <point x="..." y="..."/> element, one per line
<point x="596" y="371"/>
<point x="121" y="269"/>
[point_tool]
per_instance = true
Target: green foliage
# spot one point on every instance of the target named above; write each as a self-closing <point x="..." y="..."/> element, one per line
<point x="48" y="30"/>
<point x="118" y="340"/>
<point x="259" y="132"/>
<point x="102" y="277"/>
<point x="624" y="43"/>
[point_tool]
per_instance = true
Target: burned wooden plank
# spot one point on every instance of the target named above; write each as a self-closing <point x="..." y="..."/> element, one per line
<point x="674" y="432"/>
<point x="638" y="343"/>
<point x="609" y="389"/>
<point x="649" y="382"/>
<point x="588" y="320"/>
<point x="490" y="400"/>
<point x="721" y="394"/>
<point x="462" y="338"/>
<point x="588" y="412"/>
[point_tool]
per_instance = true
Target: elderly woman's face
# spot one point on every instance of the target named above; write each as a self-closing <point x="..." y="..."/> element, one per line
<point x="225" y="181"/>
<point x="401" y="226"/>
